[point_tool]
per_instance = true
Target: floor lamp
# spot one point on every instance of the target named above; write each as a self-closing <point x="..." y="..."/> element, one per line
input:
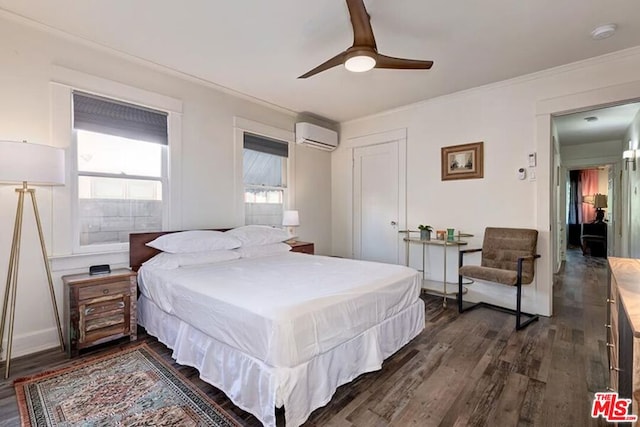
<point x="28" y="164"/>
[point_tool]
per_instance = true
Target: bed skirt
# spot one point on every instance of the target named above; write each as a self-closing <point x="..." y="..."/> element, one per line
<point x="259" y="388"/>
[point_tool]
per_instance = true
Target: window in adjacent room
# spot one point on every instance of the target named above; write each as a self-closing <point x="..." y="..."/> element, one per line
<point x="121" y="154"/>
<point x="265" y="179"/>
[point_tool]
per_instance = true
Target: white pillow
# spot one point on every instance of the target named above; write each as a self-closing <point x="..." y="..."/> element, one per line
<point x="169" y="261"/>
<point x="257" y="235"/>
<point x="194" y="241"/>
<point x="262" y="250"/>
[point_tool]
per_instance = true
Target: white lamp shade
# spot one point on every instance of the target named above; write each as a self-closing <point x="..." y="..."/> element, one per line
<point x="290" y="219"/>
<point x="32" y="163"/>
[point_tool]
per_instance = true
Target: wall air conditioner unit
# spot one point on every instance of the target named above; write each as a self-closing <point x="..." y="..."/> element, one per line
<point x="316" y="136"/>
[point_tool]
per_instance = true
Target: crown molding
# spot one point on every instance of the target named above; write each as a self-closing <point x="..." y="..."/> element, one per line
<point x="549" y="72"/>
<point x="39" y="26"/>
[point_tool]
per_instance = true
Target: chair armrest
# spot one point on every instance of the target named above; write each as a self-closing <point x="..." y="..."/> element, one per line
<point x="521" y="260"/>
<point x="466" y="251"/>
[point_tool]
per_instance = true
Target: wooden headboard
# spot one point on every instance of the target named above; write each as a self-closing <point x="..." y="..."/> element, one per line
<point x="139" y="252"/>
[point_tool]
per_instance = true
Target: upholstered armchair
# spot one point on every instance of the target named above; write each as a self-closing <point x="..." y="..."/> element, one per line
<point x="508" y="258"/>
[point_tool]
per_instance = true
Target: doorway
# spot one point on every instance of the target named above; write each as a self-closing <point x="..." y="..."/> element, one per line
<point x="589" y="145"/>
<point x="548" y="229"/>
<point x="590" y="213"/>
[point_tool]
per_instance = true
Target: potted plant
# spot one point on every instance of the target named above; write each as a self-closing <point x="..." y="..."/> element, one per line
<point x="425" y="232"/>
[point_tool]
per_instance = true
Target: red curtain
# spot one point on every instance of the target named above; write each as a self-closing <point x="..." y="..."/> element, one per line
<point x="589" y="187"/>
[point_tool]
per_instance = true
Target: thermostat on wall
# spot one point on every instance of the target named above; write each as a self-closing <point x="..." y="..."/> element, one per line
<point x="522" y="173"/>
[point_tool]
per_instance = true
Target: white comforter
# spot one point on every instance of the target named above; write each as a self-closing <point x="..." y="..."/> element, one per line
<point x="283" y="309"/>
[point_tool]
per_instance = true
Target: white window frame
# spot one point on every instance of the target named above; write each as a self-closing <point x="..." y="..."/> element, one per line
<point x="66" y="237"/>
<point x="75" y="208"/>
<point x="285" y="180"/>
<point x="242" y="125"/>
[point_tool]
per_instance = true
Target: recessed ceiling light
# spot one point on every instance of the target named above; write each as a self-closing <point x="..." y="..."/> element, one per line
<point x="591" y="119"/>
<point x="603" y="31"/>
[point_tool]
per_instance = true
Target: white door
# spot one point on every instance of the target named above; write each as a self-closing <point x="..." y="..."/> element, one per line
<point x="376" y="202"/>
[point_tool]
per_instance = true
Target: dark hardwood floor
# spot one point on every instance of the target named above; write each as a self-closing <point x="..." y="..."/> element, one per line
<point x="463" y="370"/>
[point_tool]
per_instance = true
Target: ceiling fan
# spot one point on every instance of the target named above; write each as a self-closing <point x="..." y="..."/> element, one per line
<point x="363" y="54"/>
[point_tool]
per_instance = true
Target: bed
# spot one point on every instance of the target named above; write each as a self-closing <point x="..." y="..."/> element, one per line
<point x="280" y="330"/>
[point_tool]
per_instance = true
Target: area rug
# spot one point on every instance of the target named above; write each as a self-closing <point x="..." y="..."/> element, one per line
<point x="131" y="387"/>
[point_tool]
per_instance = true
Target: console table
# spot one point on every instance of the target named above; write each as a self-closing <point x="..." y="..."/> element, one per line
<point x="623" y="329"/>
<point x="444" y="244"/>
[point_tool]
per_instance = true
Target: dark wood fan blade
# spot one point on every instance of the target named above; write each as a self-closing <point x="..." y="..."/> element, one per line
<point x="361" y="23"/>
<point x="336" y="60"/>
<point x="383" y="61"/>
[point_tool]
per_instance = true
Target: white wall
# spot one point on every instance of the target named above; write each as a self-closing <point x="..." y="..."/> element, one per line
<point x="585" y="155"/>
<point x="313" y="197"/>
<point x="630" y="238"/>
<point x="205" y="197"/>
<point x="513" y="118"/>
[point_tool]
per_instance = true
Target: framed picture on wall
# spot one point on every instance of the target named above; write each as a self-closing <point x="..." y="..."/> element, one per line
<point x="464" y="161"/>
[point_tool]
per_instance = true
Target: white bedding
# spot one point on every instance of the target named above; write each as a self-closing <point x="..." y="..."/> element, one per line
<point x="283" y="309"/>
<point x="284" y="330"/>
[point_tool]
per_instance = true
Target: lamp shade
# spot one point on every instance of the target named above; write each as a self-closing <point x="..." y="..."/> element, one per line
<point x="32" y="163"/>
<point x="600" y="201"/>
<point x="290" y="219"/>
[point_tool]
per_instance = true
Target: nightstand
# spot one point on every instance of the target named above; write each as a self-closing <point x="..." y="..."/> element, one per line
<point x="99" y="309"/>
<point x="302" y="247"/>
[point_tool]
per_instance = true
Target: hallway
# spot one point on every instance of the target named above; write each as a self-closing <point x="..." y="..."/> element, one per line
<point x="579" y="357"/>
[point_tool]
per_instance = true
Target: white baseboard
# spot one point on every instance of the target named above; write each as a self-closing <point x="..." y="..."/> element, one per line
<point x="31" y="342"/>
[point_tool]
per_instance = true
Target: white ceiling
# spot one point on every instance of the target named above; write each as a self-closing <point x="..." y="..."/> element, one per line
<point x="611" y="125"/>
<point x="259" y="48"/>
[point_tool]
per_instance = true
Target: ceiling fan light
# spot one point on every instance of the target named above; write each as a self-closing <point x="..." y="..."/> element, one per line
<point x="360" y="63"/>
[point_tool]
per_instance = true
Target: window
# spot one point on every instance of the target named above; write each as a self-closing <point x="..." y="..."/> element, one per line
<point x="121" y="154"/>
<point x="265" y="179"/>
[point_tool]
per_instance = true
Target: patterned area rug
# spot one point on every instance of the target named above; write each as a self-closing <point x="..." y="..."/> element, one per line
<point x="131" y="387"/>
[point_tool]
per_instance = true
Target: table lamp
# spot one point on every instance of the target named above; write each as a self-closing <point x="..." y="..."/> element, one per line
<point x="599" y="202"/>
<point x="27" y="164"/>
<point x="291" y="219"/>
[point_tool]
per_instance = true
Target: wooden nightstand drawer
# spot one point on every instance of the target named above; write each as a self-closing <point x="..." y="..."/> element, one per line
<point x="95" y="291"/>
<point x="104" y="308"/>
<point x="98" y="309"/>
<point x="103" y="313"/>
<point x="104" y="322"/>
<point x="302" y="247"/>
<point x="102" y="335"/>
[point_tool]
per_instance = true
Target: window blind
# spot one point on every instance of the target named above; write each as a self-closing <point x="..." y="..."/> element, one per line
<point x="266" y="145"/>
<point x="97" y="114"/>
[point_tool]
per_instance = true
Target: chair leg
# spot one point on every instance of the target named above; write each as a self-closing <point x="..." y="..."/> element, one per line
<point x="518" y="311"/>
<point x="459" y="294"/>
<point x="531" y="317"/>
<point x="518" y="304"/>
<point x="461" y="308"/>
